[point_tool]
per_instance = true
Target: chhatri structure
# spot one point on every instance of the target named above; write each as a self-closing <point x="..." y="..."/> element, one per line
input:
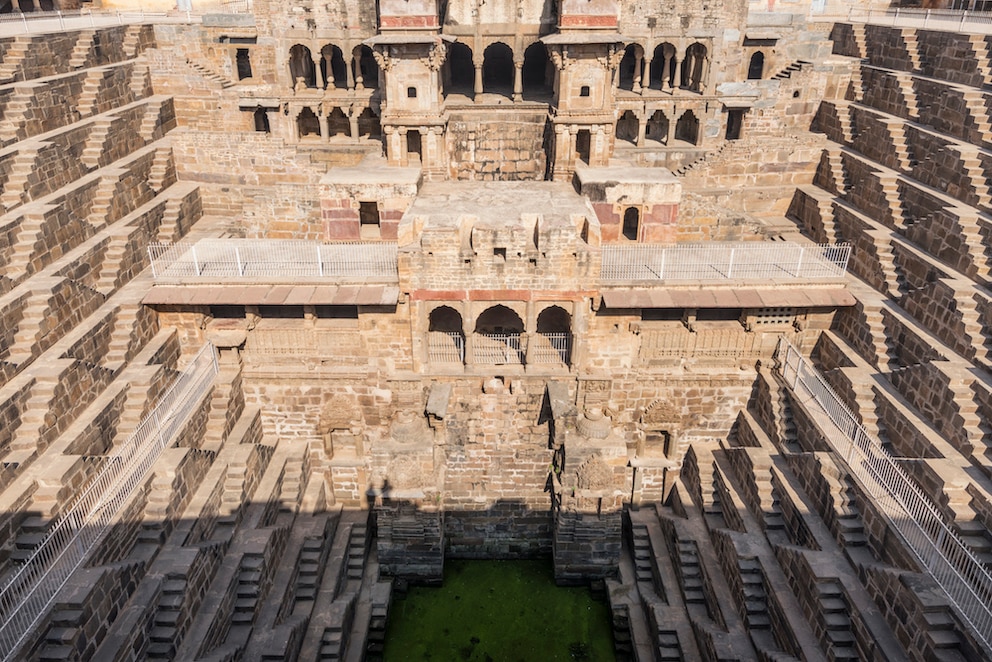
<point x="298" y="299"/>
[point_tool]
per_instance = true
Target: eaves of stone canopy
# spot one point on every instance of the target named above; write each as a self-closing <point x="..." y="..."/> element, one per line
<point x="743" y="296"/>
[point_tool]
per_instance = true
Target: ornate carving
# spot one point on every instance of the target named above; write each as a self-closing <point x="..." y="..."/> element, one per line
<point x="406" y="473"/>
<point x="660" y="411"/>
<point x="594" y="474"/>
<point x="594" y="425"/>
<point x="383" y="59"/>
<point x="340" y="413"/>
<point x="559" y="56"/>
<point x="616" y="53"/>
<point x="436" y="55"/>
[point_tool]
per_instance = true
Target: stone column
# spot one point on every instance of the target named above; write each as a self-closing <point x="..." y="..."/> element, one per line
<point x="573" y="135"/>
<point x="478" y="80"/>
<point x="349" y="72"/>
<point x="642" y="125"/>
<point x="353" y="121"/>
<point x="646" y="75"/>
<point x="704" y="76"/>
<point x="317" y="73"/>
<point x="638" y="62"/>
<point x="518" y="83"/>
<point x="324" y="133"/>
<point x="402" y="145"/>
<point x="357" y="63"/>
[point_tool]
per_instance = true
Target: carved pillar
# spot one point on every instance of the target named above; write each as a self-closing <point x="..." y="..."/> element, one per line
<point x="518" y="83"/>
<point x="349" y="73"/>
<point x="356" y="62"/>
<point x="318" y="73"/>
<point x="478" y="79"/>
<point x="402" y="146"/>
<point x="638" y="62"/>
<point x="353" y="122"/>
<point x="642" y="125"/>
<point x="322" y="121"/>
<point x="704" y="76"/>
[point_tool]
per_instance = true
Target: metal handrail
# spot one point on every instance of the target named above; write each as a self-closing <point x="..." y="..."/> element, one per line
<point x="31" y="591"/>
<point x="497" y="348"/>
<point x="940" y="550"/>
<point x="725" y="261"/>
<point x="272" y="258"/>
<point x="550" y="348"/>
<point x="446" y="347"/>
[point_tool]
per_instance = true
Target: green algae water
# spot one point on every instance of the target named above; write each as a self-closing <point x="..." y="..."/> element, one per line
<point x="498" y="611"/>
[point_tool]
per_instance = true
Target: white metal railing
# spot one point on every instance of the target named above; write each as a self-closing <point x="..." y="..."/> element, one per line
<point x="970" y="20"/>
<point x="497" y="348"/>
<point x="549" y="348"/>
<point x="445" y="347"/>
<point x="27" y="596"/>
<point x="56" y="21"/>
<point x="272" y="258"/>
<point x="764" y="260"/>
<point x="939" y="549"/>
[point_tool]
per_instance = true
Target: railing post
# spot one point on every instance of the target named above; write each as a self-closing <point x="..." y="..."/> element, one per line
<point x="196" y="263"/>
<point x="661" y="274"/>
<point x="237" y="257"/>
<point x="320" y="263"/>
<point x="799" y="264"/>
<point x="151" y="261"/>
<point x="61" y="21"/>
<point x="730" y="267"/>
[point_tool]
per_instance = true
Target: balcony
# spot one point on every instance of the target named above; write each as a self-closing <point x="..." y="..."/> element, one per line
<point x="272" y="260"/>
<point x="715" y="262"/>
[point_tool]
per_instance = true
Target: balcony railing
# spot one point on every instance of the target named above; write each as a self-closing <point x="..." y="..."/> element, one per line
<point x="445" y="347"/>
<point x="725" y="261"/>
<point x="497" y="348"/>
<point x="961" y="575"/>
<point x="549" y="348"/>
<point x="29" y="594"/>
<point x="272" y="259"/>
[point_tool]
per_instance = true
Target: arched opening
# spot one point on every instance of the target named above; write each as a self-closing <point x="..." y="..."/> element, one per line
<point x="414" y="150"/>
<point x="242" y="61"/>
<point x="307" y="124"/>
<point x="500" y="320"/>
<point x="627" y="127"/>
<point x="657" y="127"/>
<point x="366" y="69"/>
<point x="445" y="336"/>
<point x="662" y="67"/>
<point x="497" y="336"/>
<point x="583" y="145"/>
<point x="536" y="74"/>
<point x="631" y="223"/>
<point x="553" y="342"/>
<point x="756" y="67"/>
<point x="460" y="70"/>
<point x="692" y="67"/>
<point x="368" y="125"/>
<point x="261" y="121"/>
<point x="687" y="128"/>
<point x="301" y="69"/>
<point x="333" y="68"/>
<point x="497" y="69"/>
<point x="338" y="124"/>
<point x="628" y="66"/>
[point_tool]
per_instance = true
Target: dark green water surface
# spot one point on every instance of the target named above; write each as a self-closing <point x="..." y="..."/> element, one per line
<point x="503" y="611"/>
